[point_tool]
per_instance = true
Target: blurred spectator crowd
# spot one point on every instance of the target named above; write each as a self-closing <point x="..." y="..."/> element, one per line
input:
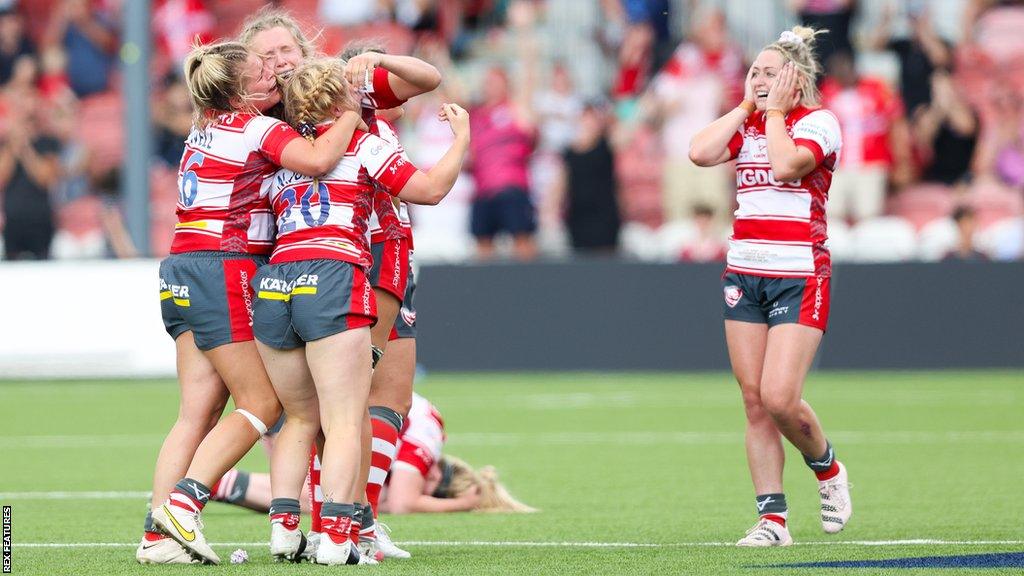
<point x="589" y="105"/>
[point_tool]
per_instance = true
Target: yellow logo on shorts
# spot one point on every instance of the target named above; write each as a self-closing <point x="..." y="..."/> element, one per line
<point x="277" y="289"/>
<point x="172" y="291"/>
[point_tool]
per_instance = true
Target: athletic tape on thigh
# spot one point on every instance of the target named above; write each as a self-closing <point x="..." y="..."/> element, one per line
<point x="256" y="423"/>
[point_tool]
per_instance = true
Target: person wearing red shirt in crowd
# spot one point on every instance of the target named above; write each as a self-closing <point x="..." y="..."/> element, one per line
<point x="776" y="282"/>
<point x="876" y="140"/>
<point x="686" y="96"/>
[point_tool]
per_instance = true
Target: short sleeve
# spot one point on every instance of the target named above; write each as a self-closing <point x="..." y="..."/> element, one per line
<point x="274" y="135"/>
<point x="382" y="97"/>
<point x="819" y="133"/>
<point x="736" y="144"/>
<point x="416" y="457"/>
<point x="384" y="163"/>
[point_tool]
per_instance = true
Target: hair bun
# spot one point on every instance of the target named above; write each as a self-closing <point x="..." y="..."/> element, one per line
<point x="307" y="129"/>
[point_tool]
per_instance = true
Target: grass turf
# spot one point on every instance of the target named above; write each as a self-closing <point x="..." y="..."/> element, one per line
<point x="623" y="458"/>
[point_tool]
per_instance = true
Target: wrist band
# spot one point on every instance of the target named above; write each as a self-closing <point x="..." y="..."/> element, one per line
<point x="776" y="112"/>
<point x="747" y="106"/>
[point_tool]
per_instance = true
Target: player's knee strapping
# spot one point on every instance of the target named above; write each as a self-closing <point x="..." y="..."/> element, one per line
<point x="258" y="424"/>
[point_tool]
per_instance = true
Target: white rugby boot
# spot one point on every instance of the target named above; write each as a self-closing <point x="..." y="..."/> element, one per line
<point x="312" y="544"/>
<point x="186" y="528"/>
<point x="836" y="507"/>
<point x="163" y="551"/>
<point x="287" y="542"/>
<point x="336" y="546"/>
<point x="385" y="545"/>
<point x="368" y="548"/>
<point x="766" y="533"/>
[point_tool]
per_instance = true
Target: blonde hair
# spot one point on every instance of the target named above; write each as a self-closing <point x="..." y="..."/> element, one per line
<point x="213" y="76"/>
<point x="494" y="497"/>
<point x="269" y="17"/>
<point x="312" y="92"/>
<point x="797" y="46"/>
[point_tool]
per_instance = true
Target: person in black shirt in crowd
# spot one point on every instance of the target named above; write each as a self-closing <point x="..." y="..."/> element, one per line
<point x="589" y="187"/>
<point x="947" y="132"/>
<point x="919" y="48"/>
<point x="29" y="169"/>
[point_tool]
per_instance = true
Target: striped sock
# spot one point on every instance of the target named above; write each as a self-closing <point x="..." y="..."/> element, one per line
<point x="386" y="425"/>
<point x="337" y="521"/>
<point x="316" y="494"/>
<point x="357" y="523"/>
<point x="772" y="507"/>
<point x="191" y="495"/>
<point x="825" y="467"/>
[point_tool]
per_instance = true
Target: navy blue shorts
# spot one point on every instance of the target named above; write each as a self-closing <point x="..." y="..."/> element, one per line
<point x="209" y="293"/>
<point x="405" y="322"/>
<point x="775" y="301"/>
<point x="298" y="302"/>
<point x="510" y="210"/>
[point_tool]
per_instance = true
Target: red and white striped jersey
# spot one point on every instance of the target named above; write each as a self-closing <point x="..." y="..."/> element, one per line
<point x="422" y="437"/>
<point x="223" y="180"/>
<point x="327" y="217"/>
<point x="780" y="228"/>
<point x="388" y="222"/>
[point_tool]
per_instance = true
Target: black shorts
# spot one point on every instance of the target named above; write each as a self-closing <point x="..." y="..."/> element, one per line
<point x="775" y="301"/>
<point x="510" y="210"/>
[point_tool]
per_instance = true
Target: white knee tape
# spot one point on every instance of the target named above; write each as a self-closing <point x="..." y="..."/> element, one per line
<point x="256" y="423"/>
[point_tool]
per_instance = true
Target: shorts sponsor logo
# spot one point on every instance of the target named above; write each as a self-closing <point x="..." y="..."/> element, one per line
<point x="732" y="295"/>
<point x="246" y="293"/>
<point x="409" y="316"/>
<point x="179" y="294"/>
<point x="278" y="289"/>
<point x="819" y="299"/>
<point x="396" y="274"/>
<point x="367" y="291"/>
<point x="778" y="310"/>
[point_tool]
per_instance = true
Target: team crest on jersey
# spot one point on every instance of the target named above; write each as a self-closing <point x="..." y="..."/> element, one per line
<point x="409" y="316"/>
<point x="732" y="295"/>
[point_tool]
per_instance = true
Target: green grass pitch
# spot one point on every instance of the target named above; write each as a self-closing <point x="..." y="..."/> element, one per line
<point x="611" y="459"/>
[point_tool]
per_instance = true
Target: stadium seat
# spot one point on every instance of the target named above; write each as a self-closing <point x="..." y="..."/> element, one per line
<point x="884" y="239"/>
<point x="229" y="16"/>
<point x="102" y="128"/>
<point x="639" y="241"/>
<point x="993" y="202"/>
<point x="922" y="204"/>
<point x="673" y="237"/>
<point x="840" y="241"/>
<point x="937" y="239"/>
<point x="1003" y="240"/>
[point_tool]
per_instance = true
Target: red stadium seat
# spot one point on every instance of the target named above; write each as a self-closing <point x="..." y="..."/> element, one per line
<point x="922" y="204"/>
<point x="102" y="128"/>
<point x="993" y="202"/>
<point x="230" y="15"/>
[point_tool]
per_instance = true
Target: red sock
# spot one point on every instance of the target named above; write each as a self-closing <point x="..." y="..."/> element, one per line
<point x="385" y="439"/>
<point x="337" y="528"/>
<point x="186" y="502"/>
<point x="316" y="494"/>
<point x="830" y="473"/>
<point x="775" y="518"/>
<point x="152" y="536"/>
<point x="353" y="533"/>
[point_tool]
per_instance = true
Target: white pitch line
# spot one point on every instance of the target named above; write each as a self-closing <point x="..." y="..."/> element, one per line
<point x="87" y="495"/>
<point x="583" y="438"/>
<point x="513" y="544"/>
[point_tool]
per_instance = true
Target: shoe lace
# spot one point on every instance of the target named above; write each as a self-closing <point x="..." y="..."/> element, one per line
<point x="834" y="491"/>
<point x="382" y="530"/>
<point x="761" y="526"/>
